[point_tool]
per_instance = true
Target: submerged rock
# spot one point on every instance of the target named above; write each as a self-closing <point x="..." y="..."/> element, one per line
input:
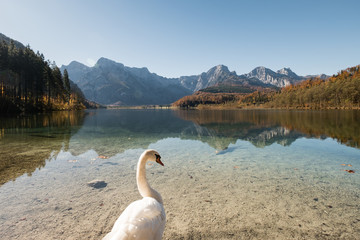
<point x="97" y="184"/>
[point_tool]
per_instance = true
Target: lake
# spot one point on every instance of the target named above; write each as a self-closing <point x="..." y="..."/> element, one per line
<point x="228" y="174"/>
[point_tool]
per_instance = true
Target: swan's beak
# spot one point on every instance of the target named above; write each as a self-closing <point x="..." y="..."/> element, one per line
<point x="158" y="160"/>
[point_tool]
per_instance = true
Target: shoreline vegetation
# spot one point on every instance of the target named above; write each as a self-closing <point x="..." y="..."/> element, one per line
<point x="341" y="91"/>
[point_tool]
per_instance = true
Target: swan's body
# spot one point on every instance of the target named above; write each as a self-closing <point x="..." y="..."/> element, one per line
<point x="143" y="219"/>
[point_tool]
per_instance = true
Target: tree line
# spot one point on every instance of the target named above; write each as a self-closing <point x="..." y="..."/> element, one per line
<point x="226" y="100"/>
<point x="205" y="98"/>
<point x="29" y="83"/>
<point x="337" y="92"/>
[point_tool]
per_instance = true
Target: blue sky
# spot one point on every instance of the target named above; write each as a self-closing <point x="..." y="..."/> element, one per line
<point x="186" y="37"/>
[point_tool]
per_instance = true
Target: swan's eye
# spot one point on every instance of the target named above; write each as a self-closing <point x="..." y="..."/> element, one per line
<point x="157" y="156"/>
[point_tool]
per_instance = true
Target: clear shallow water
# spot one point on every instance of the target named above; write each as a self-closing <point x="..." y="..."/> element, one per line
<point x="281" y="169"/>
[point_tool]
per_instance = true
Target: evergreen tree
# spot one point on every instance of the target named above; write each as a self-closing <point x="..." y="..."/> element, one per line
<point x="67" y="85"/>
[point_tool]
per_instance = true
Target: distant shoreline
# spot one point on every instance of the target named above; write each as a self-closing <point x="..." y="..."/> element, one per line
<point x="230" y="107"/>
<point x="141" y="107"/>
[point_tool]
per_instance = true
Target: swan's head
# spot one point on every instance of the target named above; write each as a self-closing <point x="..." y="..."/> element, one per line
<point x="153" y="155"/>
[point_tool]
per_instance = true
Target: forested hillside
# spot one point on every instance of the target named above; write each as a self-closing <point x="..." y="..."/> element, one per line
<point x="206" y="98"/>
<point x="339" y="91"/>
<point x="28" y="83"/>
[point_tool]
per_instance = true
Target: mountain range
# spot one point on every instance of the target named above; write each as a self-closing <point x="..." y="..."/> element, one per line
<point x="112" y="83"/>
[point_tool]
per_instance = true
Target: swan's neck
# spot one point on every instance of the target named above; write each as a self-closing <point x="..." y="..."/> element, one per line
<point x="143" y="185"/>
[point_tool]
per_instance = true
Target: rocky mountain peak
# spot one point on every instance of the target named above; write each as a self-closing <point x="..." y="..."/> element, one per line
<point x="104" y="62"/>
<point x="218" y="70"/>
<point x="76" y="64"/>
<point x="222" y="68"/>
<point x="260" y="69"/>
<point x="214" y="76"/>
<point x="288" y="72"/>
<point x="281" y="78"/>
<point x="285" y="71"/>
<point x="261" y="73"/>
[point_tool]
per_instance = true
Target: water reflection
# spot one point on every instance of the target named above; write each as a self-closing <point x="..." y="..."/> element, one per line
<point x="26" y="143"/>
<point x="264" y="127"/>
<point x="221" y="128"/>
<point x="109" y="132"/>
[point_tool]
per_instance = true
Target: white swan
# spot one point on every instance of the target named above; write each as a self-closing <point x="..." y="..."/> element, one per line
<point x="143" y="219"/>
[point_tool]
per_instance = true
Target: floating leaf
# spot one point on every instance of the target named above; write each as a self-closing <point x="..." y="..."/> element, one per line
<point x="350" y="171"/>
<point x="103" y="157"/>
<point x="236" y="166"/>
<point x="349" y="165"/>
<point x="343" y="164"/>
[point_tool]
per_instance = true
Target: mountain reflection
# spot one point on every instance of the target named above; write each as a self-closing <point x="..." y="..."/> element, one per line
<point x="264" y="127"/>
<point x="109" y="132"/>
<point x="26" y="143"/>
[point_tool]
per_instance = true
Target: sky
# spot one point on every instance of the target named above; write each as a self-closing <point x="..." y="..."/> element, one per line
<point x="174" y="38"/>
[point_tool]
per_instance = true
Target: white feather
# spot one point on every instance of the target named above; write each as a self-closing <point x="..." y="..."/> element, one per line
<point x="142" y="219"/>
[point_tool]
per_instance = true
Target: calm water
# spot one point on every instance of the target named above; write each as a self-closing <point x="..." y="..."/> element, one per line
<point x="46" y="161"/>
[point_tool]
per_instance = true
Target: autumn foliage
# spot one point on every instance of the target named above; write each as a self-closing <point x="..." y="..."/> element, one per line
<point x="204" y="98"/>
<point x="224" y="99"/>
<point x="339" y="91"/>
